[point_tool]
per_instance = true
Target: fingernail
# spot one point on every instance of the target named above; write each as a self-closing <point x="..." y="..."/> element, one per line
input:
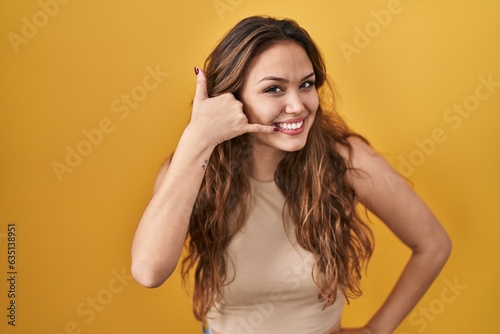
<point x="196" y="70"/>
<point x="276" y="129"/>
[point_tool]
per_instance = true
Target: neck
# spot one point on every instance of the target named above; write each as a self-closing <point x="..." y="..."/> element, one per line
<point x="265" y="162"/>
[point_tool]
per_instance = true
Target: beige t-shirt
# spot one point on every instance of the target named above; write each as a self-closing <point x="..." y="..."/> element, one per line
<point x="273" y="290"/>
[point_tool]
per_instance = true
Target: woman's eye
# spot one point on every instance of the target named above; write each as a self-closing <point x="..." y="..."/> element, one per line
<point x="307" y="84"/>
<point x="273" y="89"/>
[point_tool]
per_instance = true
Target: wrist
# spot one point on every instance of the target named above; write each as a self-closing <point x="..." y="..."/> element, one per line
<point x="195" y="136"/>
<point x="195" y="143"/>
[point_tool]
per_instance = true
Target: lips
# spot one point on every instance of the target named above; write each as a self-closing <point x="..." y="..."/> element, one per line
<point x="290" y="126"/>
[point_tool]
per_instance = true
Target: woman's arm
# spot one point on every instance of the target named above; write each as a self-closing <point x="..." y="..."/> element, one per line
<point x="161" y="232"/>
<point x="387" y="195"/>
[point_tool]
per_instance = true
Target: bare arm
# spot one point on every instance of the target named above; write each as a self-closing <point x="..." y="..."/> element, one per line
<point x="388" y="196"/>
<point x="160" y="235"/>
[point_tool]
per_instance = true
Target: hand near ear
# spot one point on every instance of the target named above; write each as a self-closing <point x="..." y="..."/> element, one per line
<point x="220" y="118"/>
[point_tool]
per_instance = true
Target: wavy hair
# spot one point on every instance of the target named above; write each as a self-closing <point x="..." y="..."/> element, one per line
<point x="318" y="197"/>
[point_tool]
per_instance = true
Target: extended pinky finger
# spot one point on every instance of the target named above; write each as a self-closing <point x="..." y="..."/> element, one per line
<point x="262" y="128"/>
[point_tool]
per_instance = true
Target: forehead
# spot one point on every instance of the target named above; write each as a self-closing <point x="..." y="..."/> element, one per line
<point x="286" y="60"/>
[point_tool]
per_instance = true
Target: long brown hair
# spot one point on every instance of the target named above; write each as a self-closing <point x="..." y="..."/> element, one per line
<point x="321" y="203"/>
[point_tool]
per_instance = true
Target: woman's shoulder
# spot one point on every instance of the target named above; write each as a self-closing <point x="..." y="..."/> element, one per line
<point x="356" y="150"/>
<point x="366" y="167"/>
<point x="369" y="173"/>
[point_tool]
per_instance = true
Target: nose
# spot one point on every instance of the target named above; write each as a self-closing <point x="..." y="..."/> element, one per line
<point x="294" y="103"/>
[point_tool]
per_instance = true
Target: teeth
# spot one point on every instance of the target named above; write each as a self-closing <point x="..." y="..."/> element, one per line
<point x="291" y="126"/>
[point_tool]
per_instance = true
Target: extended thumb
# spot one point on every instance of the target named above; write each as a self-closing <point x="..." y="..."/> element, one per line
<point x="201" y="85"/>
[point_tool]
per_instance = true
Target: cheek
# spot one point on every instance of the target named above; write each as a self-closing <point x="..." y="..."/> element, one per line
<point x="312" y="103"/>
<point x="261" y="112"/>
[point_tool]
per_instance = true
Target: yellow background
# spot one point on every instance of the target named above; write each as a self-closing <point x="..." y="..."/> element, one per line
<point x="74" y="232"/>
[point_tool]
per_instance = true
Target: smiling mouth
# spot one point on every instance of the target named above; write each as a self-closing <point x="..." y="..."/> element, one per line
<point x="290" y="126"/>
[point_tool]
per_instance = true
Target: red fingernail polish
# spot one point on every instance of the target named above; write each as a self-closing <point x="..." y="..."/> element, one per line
<point x="276" y="129"/>
<point x="196" y="70"/>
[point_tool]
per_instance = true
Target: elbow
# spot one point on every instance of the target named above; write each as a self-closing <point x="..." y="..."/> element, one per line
<point x="446" y="247"/>
<point x="149" y="277"/>
<point x="443" y="246"/>
<point x="437" y="250"/>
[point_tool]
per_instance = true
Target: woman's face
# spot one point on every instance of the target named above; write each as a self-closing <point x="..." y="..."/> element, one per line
<point x="279" y="90"/>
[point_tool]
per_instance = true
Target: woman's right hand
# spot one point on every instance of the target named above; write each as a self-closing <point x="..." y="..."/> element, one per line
<point x="219" y="118"/>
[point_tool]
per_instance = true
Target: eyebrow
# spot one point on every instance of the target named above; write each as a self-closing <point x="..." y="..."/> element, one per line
<point x="285" y="80"/>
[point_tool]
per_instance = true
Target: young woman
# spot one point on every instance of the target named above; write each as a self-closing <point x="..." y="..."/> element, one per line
<point x="264" y="186"/>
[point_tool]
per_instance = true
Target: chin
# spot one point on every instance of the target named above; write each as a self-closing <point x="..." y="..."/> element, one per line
<point x="293" y="147"/>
